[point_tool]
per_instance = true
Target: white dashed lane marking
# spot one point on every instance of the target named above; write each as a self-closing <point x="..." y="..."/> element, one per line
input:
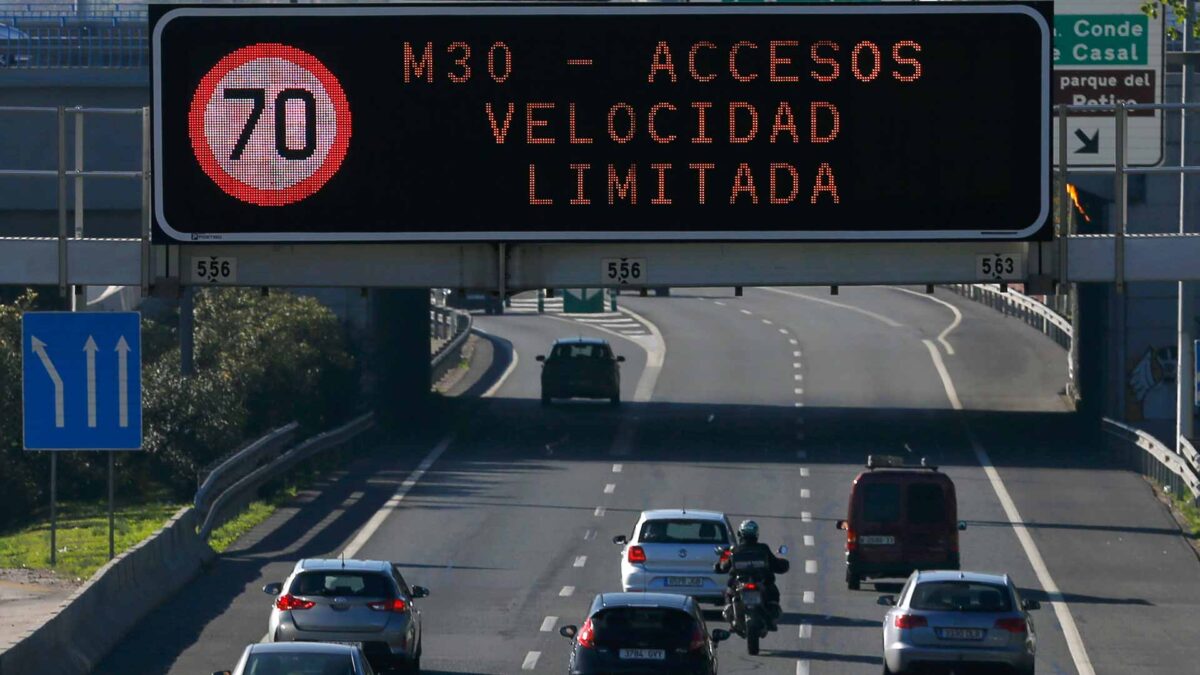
<point x="803" y="471"/>
<point x="799" y="391"/>
<point x="794" y="341"/>
<point x="589" y="535"/>
<point x="566" y="592"/>
<point x="548" y="623"/>
<point x="610" y="488"/>
<point x="805" y="493"/>
<point x="599" y="512"/>
<point x="805" y="517"/>
<point x="580" y="561"/>
<point x="746" y="312"/>
<point x="531" y="660"/>
<point x="809" y="597"/>
<point x="809" y="540"/>
<point x="802" y="668"/>
<point x="783" y="330"/>
<point x="768" y="322"/>
<point x="617" y="468"/>
<point x="810" y="566"/>
<point x="805" y="631"/>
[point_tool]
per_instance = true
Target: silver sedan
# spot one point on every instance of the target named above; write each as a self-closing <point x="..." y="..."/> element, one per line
<point x="301" y="659"/>
<point x="952" y="618"/>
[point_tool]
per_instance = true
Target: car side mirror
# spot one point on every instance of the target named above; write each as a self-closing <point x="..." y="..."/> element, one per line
<point x="720" y="635"/>
<point x="620" y="359"/>
<point x="540" y="357"/>
<point x="887" y="600"/>
<point x="1031" y="605"/>
<point x="962" y="525"/>
<point x="841" y="525"/>
<point x="621" y="539"/>
<point x="783" y="550"/>
<point x="273" y="589"/>
<point x="568" y="631"/>
<point x="420" y="592"/>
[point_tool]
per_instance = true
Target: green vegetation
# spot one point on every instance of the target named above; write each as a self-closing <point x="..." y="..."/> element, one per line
<point x="1176" y="10"/>
<point x="1190" y="512"/>
<point x="224" y="536"/>
<point x="260" y="362"/>
<point x="83" y="536"/>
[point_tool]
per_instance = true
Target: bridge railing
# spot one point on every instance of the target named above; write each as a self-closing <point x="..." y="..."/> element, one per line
<point x="1179" y="473"/>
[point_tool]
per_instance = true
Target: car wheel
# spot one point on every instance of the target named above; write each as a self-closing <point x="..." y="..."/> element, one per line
<point x="853" y="581"/>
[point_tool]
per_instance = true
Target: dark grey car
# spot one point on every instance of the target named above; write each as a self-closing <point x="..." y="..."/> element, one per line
<point x="363" y="602"/>
<point x="952" y="619"/>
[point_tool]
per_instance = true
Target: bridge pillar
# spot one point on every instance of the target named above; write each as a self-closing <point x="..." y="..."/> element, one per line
<point x="397" y="369"/>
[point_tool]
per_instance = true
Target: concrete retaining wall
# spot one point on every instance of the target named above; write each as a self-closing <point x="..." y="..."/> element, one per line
<point x="95" y="618"/>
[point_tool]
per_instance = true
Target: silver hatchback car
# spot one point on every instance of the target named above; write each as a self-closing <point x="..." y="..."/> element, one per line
<point x="361" y="602"/>
<point x="950" y="618"/>
<point x="673" y="551"/>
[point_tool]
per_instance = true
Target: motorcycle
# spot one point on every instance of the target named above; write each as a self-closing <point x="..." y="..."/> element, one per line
<point x="748" y="612"/>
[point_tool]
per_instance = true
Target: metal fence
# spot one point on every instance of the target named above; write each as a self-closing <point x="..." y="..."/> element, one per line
<point x="1178" y="473"/>
<point x="111" y="44"/>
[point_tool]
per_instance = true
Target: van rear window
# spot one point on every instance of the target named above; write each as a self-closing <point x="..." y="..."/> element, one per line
<point x="881" y="502"/>
<point x="926" y="504"/>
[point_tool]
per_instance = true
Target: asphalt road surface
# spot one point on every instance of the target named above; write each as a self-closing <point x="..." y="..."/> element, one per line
<point x="766" y="407"/>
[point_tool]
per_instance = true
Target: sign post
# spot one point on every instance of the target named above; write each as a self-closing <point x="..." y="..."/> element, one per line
<point x="81" y="390"/>
<point x="1108" y="52"/>
<point x="704" y="122"/>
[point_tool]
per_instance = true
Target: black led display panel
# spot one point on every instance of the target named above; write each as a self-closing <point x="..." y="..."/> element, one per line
<point x="546" y="122"/>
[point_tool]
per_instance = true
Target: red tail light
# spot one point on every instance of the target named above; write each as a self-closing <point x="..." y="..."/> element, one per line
<point x="1012" y="625"/>
<point x="637" y="554"/>
<point x="289" y="601"/>
<point x="587" y="635"/>
<point x="904" y="621"/>
<point x="398" y="606"/>
<point x="851" y="539"/>
<point x="698" y="642"/>
<point x="726" y="555"/>
<point x="751" y="586"/>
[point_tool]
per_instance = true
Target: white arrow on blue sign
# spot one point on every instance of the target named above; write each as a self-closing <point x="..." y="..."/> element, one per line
<point x="82" y="380"/>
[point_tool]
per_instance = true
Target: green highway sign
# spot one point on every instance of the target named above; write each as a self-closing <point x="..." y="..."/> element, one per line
<point x="1101" y="39"/>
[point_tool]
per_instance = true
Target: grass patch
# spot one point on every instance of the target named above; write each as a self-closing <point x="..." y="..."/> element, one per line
<point x="1190" y="512"/>
<point x="258" y="511"/>
<point x="82" y="537"/>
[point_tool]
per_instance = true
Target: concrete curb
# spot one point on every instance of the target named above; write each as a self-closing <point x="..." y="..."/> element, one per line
<point x="95" y="618"/>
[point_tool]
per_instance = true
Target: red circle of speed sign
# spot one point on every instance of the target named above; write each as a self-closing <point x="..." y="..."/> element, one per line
<point x="269" y="124"/>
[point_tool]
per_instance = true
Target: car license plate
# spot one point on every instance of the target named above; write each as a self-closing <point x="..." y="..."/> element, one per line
<point x="961" y="633"/>
<point x="752" y="597"/>
<point x="684" y="581"/>
<point x="877" y="540"/>
<point x="644" y="654"/>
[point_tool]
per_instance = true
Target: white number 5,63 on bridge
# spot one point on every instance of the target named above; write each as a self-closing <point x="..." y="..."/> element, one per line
<point x="999" y="267"/>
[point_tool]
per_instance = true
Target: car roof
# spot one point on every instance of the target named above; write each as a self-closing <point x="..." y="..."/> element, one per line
<point x="662" y="514"/>
<point x="324" y="564"/>
<point x="668" y="600"/>
<point x="581" y="341"/>
<point x="301" y="648"/>
<point x="957" y="575"/>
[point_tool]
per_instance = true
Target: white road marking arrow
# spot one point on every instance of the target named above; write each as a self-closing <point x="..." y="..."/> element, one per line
<point x="90" y="347"/>
<point x="123" y="381"/>
<point x="39" y="348"/>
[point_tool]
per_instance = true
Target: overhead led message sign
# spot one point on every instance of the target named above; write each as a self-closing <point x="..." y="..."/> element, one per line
<point x="602" y="122"/>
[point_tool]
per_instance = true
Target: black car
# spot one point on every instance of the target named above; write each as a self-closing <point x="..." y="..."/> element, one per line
<point x="643" y="633"/>
<point x="581" y="368"/>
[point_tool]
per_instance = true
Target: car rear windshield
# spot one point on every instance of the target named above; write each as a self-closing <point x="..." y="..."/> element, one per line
<point x="881" y="502"/>
<point x="342" y="584"/>
<point x="961" y="596"/>
<point x="926" y="504"/>
<point x="683" y="531"/>
<point x="654" y="625"/>
<point x="299" y="664"/>
<point x="582" y="351"/>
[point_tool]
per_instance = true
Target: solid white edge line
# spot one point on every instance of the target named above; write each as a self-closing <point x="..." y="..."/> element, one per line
<point x="531" y="660"/>
<point x="656" y="355"/>
<point x="548" y="623"/>
<point x="953" y="324"/>
<point x="823" y="301"/>
<point x="368" y="530"/>
<point x="512" y="366"/>
<point x="1061" y="611"/>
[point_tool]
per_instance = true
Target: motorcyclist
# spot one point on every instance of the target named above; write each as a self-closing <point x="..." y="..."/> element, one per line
<point x="750" y="558"/>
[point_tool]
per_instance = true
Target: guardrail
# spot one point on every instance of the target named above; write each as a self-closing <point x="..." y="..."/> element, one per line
<point x="241" y="462"/>
<point x="1025" y="308"/>
<point x="94" y="44"/>
<point x="447" y="356"/>
<point x="244" y="489"/>
<point x="1149" y="456"/>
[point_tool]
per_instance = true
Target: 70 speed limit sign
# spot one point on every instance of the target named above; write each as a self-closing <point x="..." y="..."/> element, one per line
<point x="269" y="124"/>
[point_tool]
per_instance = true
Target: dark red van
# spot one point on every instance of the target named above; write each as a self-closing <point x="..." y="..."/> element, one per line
<point x="902" y="518"/>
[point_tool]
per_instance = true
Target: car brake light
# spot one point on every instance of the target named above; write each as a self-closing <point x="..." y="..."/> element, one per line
<point x="751" y="586"/>
<point x="851" y="539"/>
<point x="1011" y="625"/>
<point x="905" y="621"/>
<point x="289" y="602"/>
<point x="587" y="635"/>
<point x="637" y="554"/>
<point x="726" y="555"/>
<point x="398" y="605"/>
<point x="698" y="642"/>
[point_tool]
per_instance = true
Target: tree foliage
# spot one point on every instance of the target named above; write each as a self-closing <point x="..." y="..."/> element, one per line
<point x="1176" y="10"/>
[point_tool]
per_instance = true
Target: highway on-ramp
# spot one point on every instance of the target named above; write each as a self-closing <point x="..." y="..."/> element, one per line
<point x="766" y="407"/>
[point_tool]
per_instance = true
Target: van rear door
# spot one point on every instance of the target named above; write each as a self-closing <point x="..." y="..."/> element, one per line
<point x="930" y="527"/>
<point x="878" y="521"/>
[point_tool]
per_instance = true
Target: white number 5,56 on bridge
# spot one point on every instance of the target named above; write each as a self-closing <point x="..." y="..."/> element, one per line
<point x="211" y="269"/>
<point x="622" y="271"/>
